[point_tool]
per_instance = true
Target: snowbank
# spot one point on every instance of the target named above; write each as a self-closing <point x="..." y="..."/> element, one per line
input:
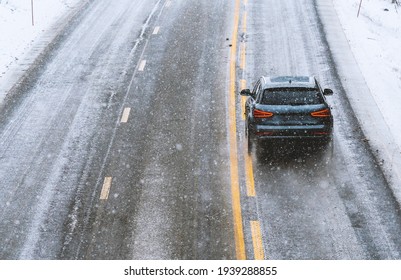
<point x="375" y="40"/>
<point x="366" y="50"/>
<point x="19" y="36"/>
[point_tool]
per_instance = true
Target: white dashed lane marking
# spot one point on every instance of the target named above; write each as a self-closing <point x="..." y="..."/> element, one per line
<point x="125" y="115"/>
<point x="156" y="30"/>
<point x="106" y="188"/>
<point x="142" y="65"/>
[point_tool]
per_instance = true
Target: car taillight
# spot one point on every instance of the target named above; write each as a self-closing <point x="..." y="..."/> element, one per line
<point x="322" y="113"/>
<point x="261" y="114"/>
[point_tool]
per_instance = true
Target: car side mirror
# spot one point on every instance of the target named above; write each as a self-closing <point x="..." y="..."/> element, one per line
<point x="245" y="92"/>
<point x="327" y="91"/>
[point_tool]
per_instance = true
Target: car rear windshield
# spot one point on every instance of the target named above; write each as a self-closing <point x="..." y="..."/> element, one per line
<point x="291" y="96"/>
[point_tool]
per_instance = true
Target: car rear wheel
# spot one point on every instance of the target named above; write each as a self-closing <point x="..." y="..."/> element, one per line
<point x="250" y="145"/>
<point x="249" y="139"/>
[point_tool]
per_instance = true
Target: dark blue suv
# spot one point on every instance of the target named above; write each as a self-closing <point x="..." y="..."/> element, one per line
<point x="287" y="107"/>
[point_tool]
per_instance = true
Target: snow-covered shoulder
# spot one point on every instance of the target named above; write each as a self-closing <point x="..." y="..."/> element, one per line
<point x="366" y="51"/>
<point x="21" y="27"/>
<point x="375" y="40"/>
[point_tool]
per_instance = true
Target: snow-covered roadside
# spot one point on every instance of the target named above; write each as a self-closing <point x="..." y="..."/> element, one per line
<point x="364" y="50"/>
<point x="375" y="40"/>
<point x="19" y="37"/>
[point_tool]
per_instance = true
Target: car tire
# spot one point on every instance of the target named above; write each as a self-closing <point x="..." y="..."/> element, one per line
<point x="250" y="144"/>
<point x="249" y="139"/>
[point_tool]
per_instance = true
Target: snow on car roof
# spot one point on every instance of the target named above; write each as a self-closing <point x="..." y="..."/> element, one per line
<point x="290" y="81"/>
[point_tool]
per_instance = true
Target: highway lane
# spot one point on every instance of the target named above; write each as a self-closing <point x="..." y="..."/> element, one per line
<point x="130" y="144"/>
<point x="57" y="129"/>
<point x="309" y="208"/>
<point x="168" y="198"/>
<point x="114" y="153"/>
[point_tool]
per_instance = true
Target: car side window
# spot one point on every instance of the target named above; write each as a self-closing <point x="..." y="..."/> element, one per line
<point x="259" y="92"/>
<point x="256" y="88"/>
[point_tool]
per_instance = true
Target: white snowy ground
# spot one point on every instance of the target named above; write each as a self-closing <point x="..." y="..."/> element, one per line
<point x="375" y="40"/>
<point x="17" y="33"/>
<point x="19" y="36"/>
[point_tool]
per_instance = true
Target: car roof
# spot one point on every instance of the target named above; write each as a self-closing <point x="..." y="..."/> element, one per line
<point x="290" y="82"/>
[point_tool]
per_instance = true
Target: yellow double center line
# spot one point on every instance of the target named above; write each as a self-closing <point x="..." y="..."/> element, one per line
<point x="235" y="187"/>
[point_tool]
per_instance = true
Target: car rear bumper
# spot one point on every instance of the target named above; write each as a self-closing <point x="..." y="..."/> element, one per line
<point x="320" y="131"/>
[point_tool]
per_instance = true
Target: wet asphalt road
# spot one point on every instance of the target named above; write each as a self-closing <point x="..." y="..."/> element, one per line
<point x="120" y="149"/>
